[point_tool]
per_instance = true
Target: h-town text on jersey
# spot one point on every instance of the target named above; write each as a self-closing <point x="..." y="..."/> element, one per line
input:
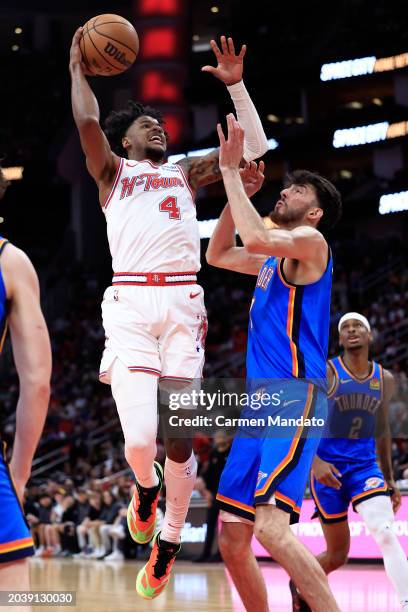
<point x="150" y="180"/>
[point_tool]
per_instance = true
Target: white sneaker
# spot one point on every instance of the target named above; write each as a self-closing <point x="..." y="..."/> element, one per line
<point x="98" y="552"/>
<point x="39" y="551"/>
<point x="116" y="555"/>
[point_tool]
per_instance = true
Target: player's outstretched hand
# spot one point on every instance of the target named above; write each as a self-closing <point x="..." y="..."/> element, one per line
<point x="252" y="176"/>
<point x="75" y="55"/>
<point x="232" y="149"/>
<point x="395" y="496"/>
<point x="230" y="66"/>
<point x="326" y="473"/>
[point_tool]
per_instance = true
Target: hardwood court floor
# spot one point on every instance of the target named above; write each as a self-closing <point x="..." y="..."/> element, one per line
<point x="109" y="587"/>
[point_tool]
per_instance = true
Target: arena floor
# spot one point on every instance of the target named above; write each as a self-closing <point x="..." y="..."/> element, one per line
<point x="103" y="587"/>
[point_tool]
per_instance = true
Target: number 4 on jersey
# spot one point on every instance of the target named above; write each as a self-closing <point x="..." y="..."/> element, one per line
<point x="169" y="205"/>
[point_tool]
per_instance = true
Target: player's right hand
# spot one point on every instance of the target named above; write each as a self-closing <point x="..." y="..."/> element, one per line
<point x="252" y="176"/>
<point x="230" y="66"/>
<point x="326" y="473"/>
<point x="75" y="55"/>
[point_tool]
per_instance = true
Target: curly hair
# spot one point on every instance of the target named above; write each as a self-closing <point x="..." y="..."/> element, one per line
<point x="117" y="123"/>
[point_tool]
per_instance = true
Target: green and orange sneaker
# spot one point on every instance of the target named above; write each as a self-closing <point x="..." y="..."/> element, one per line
<point x="152" y="579"/>
<point x="141" y="514"/>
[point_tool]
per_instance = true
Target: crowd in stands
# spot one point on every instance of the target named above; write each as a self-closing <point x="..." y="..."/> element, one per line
<point x="85" y="522"/>
<point x="77" y="504"/>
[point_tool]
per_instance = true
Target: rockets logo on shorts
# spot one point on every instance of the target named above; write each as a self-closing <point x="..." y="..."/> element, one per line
<point x="202" y="331"/>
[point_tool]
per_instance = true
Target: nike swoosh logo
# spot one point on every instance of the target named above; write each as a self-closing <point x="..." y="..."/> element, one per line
<point x="289" y="402"/>
<point x="344" y="381"/>
<point x="193" y="295"/>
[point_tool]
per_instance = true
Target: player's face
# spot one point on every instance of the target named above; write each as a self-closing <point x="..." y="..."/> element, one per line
<point x="354" y="335"/>
<point x="294" y="204"/>
<point x="146" y="137"/>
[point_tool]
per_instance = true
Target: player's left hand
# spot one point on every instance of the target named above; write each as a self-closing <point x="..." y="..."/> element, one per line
<point x="252" y="176"/>
<point x="231" y="150"/>
<point x="230" y="66"/>
<point x="395" y="496"/>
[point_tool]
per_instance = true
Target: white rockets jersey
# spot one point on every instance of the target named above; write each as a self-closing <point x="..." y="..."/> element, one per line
<point x="151" y="219"/>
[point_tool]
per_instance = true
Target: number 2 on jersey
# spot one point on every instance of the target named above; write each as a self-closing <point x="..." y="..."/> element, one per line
<point x="355" y="428"/>
<point x="169" y="205"/>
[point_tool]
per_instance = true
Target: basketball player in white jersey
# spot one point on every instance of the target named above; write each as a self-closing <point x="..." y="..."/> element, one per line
<point x="153" y="314"/>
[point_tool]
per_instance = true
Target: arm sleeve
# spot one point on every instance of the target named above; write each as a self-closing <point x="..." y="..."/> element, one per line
<point x="255" y="143"/>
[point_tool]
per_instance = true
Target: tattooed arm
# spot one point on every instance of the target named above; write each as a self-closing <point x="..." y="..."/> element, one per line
<point x="202" y="171"/>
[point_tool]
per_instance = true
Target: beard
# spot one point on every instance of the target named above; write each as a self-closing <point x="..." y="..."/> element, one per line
<point x="155" y="155"/>
<point x="283" y="216"/>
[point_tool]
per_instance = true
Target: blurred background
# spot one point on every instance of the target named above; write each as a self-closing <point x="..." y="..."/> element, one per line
<point x="331" y="86"/>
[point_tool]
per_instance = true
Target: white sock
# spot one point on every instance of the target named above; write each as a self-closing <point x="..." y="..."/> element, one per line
<point x="179" y="479"/>
<point x="378" y="516"/>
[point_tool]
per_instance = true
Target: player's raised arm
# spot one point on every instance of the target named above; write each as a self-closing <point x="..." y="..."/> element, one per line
<point x="101" y="162"/>
<point x="205" y="170"/>
<point x="383" y="438"/>
<point x="222" y="251"/>
<point x="302" y="243"/>
<point x="32" y="357"/>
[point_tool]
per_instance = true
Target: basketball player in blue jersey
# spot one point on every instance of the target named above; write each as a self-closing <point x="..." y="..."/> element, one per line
<point x="20" y="310"/>
<point x="264" y="479"/>
<point x="345" y="469"/>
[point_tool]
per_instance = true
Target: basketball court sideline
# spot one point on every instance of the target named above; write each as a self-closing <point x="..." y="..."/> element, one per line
<point x="102" y="586"/>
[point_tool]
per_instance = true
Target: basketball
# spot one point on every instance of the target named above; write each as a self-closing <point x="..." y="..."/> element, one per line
<point x="109" y="44"/>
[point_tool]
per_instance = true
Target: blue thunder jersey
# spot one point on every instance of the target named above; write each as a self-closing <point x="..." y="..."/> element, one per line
<point x="353" y="405"/>
<point x="289" y="325"/>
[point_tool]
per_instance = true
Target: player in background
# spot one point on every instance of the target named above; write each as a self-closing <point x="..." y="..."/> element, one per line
<point x="154" y="315"/>
<point x="263" y="482"/>
<point x="345" y="469"/>
<point x="20" y="311"/>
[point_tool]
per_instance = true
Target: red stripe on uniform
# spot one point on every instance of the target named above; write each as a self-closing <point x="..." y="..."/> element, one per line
<point x="186" y="181"/>
<point x="118" y="173"/>
<point x="145" y="369"/>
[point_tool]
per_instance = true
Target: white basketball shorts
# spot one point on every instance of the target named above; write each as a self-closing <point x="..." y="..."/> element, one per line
<point x="158" y="330"/>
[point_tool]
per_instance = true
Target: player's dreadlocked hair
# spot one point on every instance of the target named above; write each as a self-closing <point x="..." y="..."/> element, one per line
<point x="117" y="123"/>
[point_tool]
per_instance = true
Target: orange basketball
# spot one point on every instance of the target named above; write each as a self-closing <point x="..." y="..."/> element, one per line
<point x="109" y="44"/>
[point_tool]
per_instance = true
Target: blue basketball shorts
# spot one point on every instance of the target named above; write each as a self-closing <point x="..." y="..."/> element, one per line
<point x="359" y="481"/>
<point x="271" y="464"/>
<point x="15" y="537"/>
